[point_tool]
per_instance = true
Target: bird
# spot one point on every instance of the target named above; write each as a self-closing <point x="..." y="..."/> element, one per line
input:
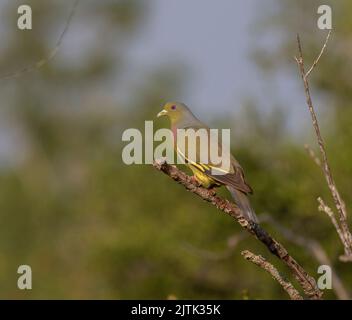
<point x="181" y="117"/>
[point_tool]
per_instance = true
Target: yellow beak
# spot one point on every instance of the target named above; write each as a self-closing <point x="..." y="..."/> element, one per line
<point x="161" y="113"/>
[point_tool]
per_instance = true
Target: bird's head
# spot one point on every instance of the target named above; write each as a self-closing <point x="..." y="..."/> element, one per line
<point x="174" y="110"/>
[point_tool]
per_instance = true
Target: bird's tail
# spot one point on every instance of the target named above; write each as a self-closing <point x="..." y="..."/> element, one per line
<point x="242" y="202"/>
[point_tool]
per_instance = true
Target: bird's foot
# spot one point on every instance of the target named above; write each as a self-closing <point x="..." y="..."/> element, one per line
<point x="195" y="181"/>
<point x="212" y="191"/>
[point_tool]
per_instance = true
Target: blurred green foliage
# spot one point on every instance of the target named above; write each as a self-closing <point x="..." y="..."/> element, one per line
<point x="92" y="227"/>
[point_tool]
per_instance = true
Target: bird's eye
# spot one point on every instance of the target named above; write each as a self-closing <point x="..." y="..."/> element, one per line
<point x="173" y="107"/>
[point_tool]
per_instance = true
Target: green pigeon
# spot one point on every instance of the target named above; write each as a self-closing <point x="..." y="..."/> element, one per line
<point x="233" y="178"/>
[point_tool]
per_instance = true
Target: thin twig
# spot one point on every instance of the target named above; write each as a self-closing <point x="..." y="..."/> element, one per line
<point x="312" y="154"/>
<point x="319" y="56"/>
<point x="339" y="203"/>
<point x="324" y="208"/>
<point x="268" y="267"/>
<point x="305" y="280"/>
<point x="37" y="65"/>
<point x="312" y="247"/>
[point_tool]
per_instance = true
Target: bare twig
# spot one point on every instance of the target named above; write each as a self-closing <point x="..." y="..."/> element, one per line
<point x="312" y="154"/>
<point x="37" y="65"/>
<point x="268" y="267"/>
<point x="312" y="247"/>
<point x="339" y="203"/>
<point x="306" y="281"/>
<point x="319" y="56"/>
<point x="324" y="208"/>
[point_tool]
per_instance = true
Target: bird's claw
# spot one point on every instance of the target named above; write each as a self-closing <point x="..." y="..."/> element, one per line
<point x="195" y="181"/>
<point x="212" y="191"/>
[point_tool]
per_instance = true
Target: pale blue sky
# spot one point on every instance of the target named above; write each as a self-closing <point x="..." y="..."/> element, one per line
<point x="215" y="40"/>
